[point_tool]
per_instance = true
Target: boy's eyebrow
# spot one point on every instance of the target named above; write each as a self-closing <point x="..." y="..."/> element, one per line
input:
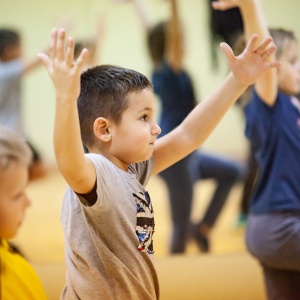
<point x="146" y="108"/>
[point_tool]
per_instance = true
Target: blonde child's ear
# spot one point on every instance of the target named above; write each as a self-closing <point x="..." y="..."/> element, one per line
<point x="102" y="130"/>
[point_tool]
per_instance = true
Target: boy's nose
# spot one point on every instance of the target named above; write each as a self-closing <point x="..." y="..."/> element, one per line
<point x="156" y="129"/>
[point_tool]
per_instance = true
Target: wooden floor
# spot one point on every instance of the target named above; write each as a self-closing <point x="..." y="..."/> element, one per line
<point x="41" y="239"/>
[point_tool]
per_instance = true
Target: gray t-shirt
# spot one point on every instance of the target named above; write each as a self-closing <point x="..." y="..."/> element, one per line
<point x="108" y="245"/>
<point x="10" y="102"/>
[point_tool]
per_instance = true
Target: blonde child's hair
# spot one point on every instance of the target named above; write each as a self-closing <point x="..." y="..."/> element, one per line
<point x="282" y="39"/>
<point x="13" y="148"/>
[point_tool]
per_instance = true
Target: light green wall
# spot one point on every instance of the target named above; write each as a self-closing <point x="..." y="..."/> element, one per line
<point x="124" y="45"/>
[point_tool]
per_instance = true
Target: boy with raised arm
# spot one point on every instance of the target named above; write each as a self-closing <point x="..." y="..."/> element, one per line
<point x="173" y="85"/>
<point x="107" y="213"/>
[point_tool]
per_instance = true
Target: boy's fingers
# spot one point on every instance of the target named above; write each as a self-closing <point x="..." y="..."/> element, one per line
<point x="52" y="47"/>
<point x="251" y="43"/>
<point x="60" y="44"/>
<point x="262" y="45"/>
<point x="268" y="52"/>
<point x="70" y="52"/>
<point x="227" y="51"/>
<point x="80" y="60"/>
<point x="265" y="42"/>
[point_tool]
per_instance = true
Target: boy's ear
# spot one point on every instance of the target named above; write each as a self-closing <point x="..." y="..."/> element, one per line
<point x="101" y="129"/>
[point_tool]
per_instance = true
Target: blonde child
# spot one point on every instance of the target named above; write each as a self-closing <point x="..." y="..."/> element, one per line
<point x="18" y="280"/>
<point x="273" y="128"/>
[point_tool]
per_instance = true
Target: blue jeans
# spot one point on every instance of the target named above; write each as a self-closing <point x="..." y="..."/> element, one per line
<point x="180" y="179"/>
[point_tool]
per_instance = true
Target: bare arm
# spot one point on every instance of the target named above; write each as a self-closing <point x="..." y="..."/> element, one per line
<point x="198" y="125"/>
<point x="31" y="65"/>
<point x="254" y="22"/>
<point x="97" y="40"/>
<point x="174" y="39"/>
<point x="174" y="34"/>
<point x="77" y="170"/>
<point x="142" y="11"/>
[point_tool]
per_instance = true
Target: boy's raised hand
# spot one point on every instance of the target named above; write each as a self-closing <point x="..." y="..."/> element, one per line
<point x="249" y="65"/>
<point x="60" y="64"/>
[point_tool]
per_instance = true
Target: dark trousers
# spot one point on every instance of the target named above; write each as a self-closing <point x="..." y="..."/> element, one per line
<point x="274" y="239"/>
<point x="180" y="179"/>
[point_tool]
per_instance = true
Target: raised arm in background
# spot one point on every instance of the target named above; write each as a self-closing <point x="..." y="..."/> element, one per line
<point x="254" y="23"/>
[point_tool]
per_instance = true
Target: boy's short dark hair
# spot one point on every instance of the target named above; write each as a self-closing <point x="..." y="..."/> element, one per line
<point x="156" y="41"/>
<point x="8" y="37"/>
<point x="104" y="91"/>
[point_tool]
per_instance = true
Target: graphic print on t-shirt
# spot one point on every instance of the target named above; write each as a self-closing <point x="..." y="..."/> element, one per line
<point x="144" y="222"/>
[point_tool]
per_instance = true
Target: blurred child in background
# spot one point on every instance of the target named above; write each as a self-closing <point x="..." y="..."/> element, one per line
<point x="18" y="279"/>
<point x="12" y="70"/>
<point x="273" y="128"/>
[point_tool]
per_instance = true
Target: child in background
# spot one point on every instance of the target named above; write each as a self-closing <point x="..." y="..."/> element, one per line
<point x="12" y="69"/>
<point x="107" y="215"/>
<point x="18" y="280"/>
<point x="273" y="128"/>
<point x="174" y="87"/>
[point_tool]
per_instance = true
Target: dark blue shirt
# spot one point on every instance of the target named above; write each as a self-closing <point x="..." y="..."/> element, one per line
<point x="176" y="93"/>
<point x="275" y="136"/>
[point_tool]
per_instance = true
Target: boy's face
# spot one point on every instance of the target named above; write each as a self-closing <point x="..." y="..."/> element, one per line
<point x="289" y="71"/>
<point x="13" y="200"/>
<point x="133" y="139"/>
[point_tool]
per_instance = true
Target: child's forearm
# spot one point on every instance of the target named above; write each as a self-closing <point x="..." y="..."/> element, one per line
<point x="254" y="19"/>
<point x="31" y="65"/>
<point x="144" y="13"/>
<point x="174" y="38"/>
<point x="68" y="147"/>
<point x="255" y="22"/>
<point x="205" y="117"/>
<point x="67" y="140"/>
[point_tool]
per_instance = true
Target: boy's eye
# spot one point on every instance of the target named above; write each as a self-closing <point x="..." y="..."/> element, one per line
<point x="19" y="196"/>
<point x="144" y="117"/>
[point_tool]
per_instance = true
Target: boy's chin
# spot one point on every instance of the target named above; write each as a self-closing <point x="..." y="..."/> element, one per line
<point x="146" y="157"/>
